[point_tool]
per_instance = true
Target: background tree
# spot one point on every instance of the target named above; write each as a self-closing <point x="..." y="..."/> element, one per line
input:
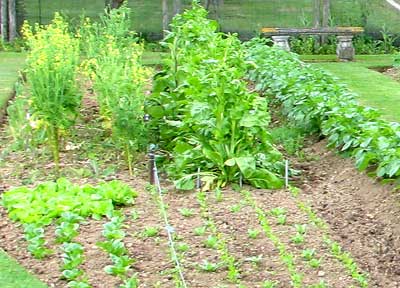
<point x="3" y="20"/>
<point x="114" y="4"/>
<point x="317" y="13"/>
<point x="12" y="20"/>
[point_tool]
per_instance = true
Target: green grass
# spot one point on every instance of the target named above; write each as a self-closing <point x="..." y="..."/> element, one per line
<point x="12" y="275"/>
<point x="374" y="89"/>
<point x="152" y="58"/>
<point x="10" y="64"/>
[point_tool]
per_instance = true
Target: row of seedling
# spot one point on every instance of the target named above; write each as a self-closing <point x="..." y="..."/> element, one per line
<point x="73" y="252"/>
<point x="335" y="249"/>
<point x="121" y="261"/>
<point x="216" y="241"/>
<point x="286" y="257"/>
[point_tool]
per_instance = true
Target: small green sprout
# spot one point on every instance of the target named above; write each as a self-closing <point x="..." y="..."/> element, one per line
<point x="298" y="239"/>
<point x="315" y="263"/>
<point x="200" y="231"/>
<point x="277" y="211"/>
<point x="209" y="266"/>
<point x="186" y="212"/>
<point x="308" y="254"/>
<point x="253" y="233"/>
<point x="218" y="195"/>
<point x="301" y="229"/>
<point x="269" y="284"/>
<point x="236" y="208"/>
<point x="150" y="232"/>
<point x="211" y="242"/>
<point x="182" y="247"/>
<point x="281" y="219"/>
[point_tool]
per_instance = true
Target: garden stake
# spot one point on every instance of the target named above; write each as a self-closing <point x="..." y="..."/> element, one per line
<point x="151" y="168"/>
<point x="198" y="182"/>
<point x="286" y="173"/>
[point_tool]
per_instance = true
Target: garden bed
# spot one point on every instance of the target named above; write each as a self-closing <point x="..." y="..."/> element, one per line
<point x="361" y="213"/>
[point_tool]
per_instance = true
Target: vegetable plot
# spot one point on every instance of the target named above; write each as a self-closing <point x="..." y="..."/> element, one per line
<point x="203" y="113"/>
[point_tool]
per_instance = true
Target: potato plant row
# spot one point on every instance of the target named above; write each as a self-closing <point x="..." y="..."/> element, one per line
<point x="314" y="100"/>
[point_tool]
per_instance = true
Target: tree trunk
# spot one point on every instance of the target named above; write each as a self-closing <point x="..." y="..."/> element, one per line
<point x="114" y="4"/>
<point x="177" y="7"/>
<point x="326" y="17"/>
<point x="12" y="20"/>
<point x="317" y="13"/>
<point x="3" y="20"/>
<point x="326" y="13"/>
<point x="164" y="16"/>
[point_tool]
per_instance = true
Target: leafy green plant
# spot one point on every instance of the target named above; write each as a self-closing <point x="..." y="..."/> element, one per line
<point x="278" y="211"/>
<point x="132" y="282"/>
<point x="218" y="194"/>
<point x="182" y="247"/>
<point x="34" y="234"/>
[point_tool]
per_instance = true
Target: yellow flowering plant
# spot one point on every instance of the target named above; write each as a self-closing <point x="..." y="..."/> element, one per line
<point x="113" y="63"/>
<point x="51" y="71"/>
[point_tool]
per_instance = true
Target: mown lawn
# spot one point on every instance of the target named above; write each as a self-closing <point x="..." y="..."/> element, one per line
<point x="12" y="275"/>
<point x="374" y="88"/>
<point x="10" y="64"/>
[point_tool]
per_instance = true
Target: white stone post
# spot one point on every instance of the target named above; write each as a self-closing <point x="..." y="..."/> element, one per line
<point x="281" y="42"/>
<point x="345" y="50"/>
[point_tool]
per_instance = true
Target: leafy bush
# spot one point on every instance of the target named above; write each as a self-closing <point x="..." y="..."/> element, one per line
<point x="312" y="99"/>
<point x="205" y="115"/>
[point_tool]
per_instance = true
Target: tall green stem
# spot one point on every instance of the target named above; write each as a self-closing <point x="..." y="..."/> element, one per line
<point x="55" y="134"/>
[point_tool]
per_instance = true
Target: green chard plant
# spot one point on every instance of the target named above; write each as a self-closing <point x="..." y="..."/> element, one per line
<point x="202" y="113"/>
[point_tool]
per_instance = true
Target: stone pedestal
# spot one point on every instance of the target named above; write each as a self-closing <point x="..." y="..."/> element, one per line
<point x="281" y="42"/>
<point x="345" y="49"/>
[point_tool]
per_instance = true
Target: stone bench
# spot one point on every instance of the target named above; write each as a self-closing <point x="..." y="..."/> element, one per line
<point x="344" y="51"/>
